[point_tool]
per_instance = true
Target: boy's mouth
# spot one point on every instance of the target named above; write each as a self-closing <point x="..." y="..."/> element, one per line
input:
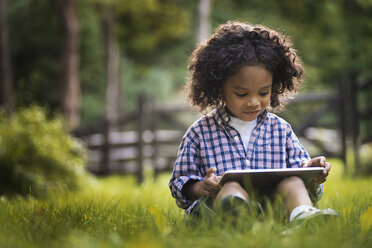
<point x="251" y="113"/>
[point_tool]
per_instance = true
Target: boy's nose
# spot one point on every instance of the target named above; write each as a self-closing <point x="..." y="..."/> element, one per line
<point x="252" y="102"/>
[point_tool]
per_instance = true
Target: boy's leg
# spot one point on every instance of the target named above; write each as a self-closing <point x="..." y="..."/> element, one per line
<point x="232" y="189"/>
<point x="231" y="199"/>
<point x="294" y="193"/>
<point x="297" y="200"/>
<point x="208" y="205"/>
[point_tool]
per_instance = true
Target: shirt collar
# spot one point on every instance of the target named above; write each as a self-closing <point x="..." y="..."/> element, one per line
<point x="223" y="118"/>
<point x="261" y="118"/>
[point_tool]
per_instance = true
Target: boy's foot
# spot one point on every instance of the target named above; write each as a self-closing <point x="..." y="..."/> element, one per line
<point x="311" y="215"/>
<point x="314" y="213"/>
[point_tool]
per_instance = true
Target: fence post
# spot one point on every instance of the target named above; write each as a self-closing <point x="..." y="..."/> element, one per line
<point x="354" y="115"/>
<point x="154" y="143"/>
<point x="342" y="121"/>
<point x="105" y="160"/>
<point x="140" y="129"/>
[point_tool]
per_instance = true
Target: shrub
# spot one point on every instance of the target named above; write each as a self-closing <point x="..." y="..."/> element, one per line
<point x="38" y="154"/>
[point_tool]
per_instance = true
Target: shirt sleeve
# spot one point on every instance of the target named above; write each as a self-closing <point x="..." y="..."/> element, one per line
<point x="296" y="154"/>
<point x="316" y="193"/>
<point x="187" y="167"/>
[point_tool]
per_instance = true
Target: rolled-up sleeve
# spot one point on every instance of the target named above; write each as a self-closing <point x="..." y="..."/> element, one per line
<point x="298" y="154"/>
<point x="316" y="193"/>
<point x="187" y="167"/>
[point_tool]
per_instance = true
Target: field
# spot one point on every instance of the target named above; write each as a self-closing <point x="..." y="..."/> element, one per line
<point x="115" y="212"/>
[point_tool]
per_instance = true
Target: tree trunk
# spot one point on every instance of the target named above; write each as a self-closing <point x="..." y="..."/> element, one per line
<point x="70" y="85"/>
<point x="6" y="81"/>
<point x="352" y="114"/>
<point x="113" y="69"/>
<point x="203" y="20"/>
<point x="113" y="86"/>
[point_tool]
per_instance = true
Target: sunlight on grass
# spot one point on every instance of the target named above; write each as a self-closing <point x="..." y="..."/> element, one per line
<point x="116" y="212"/>
<point x="366" y="221"/>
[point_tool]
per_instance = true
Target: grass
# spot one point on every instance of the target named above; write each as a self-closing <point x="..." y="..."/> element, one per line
<point x="115" y="212"/>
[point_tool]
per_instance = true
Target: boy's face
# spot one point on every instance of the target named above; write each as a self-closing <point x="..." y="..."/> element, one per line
<point x="247" y="93"/>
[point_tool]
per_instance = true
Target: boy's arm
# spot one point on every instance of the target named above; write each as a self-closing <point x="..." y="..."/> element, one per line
<point x="298" y="157"/>
<point x="319" y="162"/>
<point x="186" y="169"/>
<point x="316" y="188"/>
<point x="296" y="153"/>
<point x="210" y="186"/>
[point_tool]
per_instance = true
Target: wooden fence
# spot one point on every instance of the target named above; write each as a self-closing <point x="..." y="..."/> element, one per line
<point x="114" y="149"/>
<point x="356" y="107"/>
<point x="322" y="104"/>
<point x="150" y="135"/>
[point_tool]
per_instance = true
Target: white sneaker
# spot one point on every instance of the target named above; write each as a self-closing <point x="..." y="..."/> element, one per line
<point x="313" y="212"/>
<point x="309" y="216"/>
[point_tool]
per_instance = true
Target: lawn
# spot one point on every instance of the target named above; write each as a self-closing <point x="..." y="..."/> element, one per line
<point x="116" y="212"/>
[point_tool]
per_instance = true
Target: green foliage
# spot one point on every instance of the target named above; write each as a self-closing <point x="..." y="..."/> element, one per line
<point x="35" y="42"/>
<point x="37" y="155"/>
<point x="155" y="80"/>
<point x="35" y="51"/>
<point x="92" y="63"/>
<point x="332" y="37"/>
<point x="148" y="25"/>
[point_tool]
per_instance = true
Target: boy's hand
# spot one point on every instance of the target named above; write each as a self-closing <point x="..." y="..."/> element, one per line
<point x="319" y="162"/>
<point x="210" y="186"/>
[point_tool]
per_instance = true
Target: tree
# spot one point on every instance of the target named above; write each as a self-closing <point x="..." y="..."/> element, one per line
<point x="113" y="68"/>
<point x="113" y="82"/>
<point x="70" y="90"/>
<point x="203" y="18"/>
<point x="148" y="35"/>
<point x="6" y="81"/>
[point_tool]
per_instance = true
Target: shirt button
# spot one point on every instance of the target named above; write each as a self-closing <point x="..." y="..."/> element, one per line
<point x="226" y="119"/>
<point x="236" y="138"/>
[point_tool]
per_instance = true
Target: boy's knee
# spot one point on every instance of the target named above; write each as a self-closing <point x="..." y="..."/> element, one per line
<point x="289" y="184"/>
<point x="232" y="188"/>
<point x="232" y="184"/>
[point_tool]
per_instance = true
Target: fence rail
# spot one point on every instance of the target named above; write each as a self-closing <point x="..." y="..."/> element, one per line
<point x="114" y="149"/>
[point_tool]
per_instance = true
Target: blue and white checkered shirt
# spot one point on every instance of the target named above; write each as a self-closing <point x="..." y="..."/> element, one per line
<point x="212" y="142"/>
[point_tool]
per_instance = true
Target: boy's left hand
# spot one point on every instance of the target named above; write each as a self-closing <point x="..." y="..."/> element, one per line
<point x="319" y="162"/>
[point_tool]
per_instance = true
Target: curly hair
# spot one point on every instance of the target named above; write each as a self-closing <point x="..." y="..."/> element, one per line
<point x="233" y="46"/>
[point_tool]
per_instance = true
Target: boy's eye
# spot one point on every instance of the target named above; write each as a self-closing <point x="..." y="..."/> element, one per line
<point x="241" y="94"/>
<point x="264" y="93"/>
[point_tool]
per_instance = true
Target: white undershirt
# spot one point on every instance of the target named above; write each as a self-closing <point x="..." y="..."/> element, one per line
<point x="244" y="128"/>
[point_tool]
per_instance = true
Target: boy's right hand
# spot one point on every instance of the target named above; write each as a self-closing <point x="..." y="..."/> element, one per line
<point x="210" y="186"/>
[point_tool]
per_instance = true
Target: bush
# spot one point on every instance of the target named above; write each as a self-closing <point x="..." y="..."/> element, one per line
<point x="38" y="155"/>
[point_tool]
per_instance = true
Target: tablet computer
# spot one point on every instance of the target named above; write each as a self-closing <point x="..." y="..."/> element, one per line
<point x="267" y="178"/>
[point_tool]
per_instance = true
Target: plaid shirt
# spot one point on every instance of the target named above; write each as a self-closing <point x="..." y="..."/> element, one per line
<point x="212" y="142"/>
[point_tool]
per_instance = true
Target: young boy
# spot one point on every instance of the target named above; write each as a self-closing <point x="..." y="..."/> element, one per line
<point x="241" y="72"/>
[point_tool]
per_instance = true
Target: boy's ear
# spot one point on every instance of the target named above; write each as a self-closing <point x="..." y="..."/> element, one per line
<point x="220" y="92"/>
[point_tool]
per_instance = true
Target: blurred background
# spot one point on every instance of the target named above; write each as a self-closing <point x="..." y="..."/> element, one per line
<point x="109" y="75"/>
